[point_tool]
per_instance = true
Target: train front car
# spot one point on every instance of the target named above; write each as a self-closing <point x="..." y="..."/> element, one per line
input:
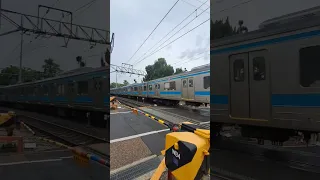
<point x="266" y="80"/>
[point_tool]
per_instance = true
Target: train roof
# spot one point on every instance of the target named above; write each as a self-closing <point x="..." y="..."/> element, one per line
<point x="205" y="67"/>
<point x="75" y="72"/>
<point x="291" y="22"/>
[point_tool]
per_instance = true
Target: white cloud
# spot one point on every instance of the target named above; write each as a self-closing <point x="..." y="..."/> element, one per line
<point x="132" y="25"/>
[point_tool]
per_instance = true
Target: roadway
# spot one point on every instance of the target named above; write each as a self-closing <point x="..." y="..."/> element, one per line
<point x="134" y="137"/>
<point x="54" y="165"/>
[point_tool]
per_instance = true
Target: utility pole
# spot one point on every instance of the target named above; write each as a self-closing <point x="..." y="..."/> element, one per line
<point x="21" y="45"/>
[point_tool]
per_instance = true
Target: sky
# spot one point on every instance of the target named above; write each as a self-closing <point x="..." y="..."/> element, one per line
<point x="34" y="53"/>
<point x="133" y="20"/>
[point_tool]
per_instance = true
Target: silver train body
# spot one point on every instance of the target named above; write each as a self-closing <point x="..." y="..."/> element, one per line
<point x="192" y="86"/>
<point x="269" y="77"/>
<point x="85" y="89"/>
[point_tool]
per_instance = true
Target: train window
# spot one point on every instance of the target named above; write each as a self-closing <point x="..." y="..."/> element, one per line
<point x="22" y="91"/>
<point x="206" y="82"/>
<point x="190" y="82"/>
<point x="97" y="83"/>
<point x="45" y="90"/>
<point x="184" y="83"/>
<point x="145" y="88"/>
<point x="259" y="68"/>
<point x="238" y="70"/>
<point x="170" y="86"/>
<point x="35" y="90"/>
<point x="135" y="88"/>
<point x="83" y="87"/>
<point x="158" y="86"/>
<point x="309" y="66"/>
<point x="71" y="87"/>
<point x="173" y="85"/>
<point x="60" y="89"/>
<point x="166" y="86"/>
<point x="150" y="87"/>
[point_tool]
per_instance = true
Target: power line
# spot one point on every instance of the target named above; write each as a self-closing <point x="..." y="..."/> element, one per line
<point x="193" y="59"/>
<point x="154" y="29"/>
<point x="178" y="62"/>
<point x="175" y="39"/>
<point x="194" y="5"/>
<point x="176" y="32"/>
<point x="171" y="31"/>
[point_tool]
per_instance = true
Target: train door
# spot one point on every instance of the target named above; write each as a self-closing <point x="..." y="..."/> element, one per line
<point x="190" y="88"/>
<point x="156" y="90"/>
<point x="249" y="85"/>
<point x="184" y="88"/>
<point x="140" y="90"/>
<point x="71" y="92"/>
<point x="97" y="92"/>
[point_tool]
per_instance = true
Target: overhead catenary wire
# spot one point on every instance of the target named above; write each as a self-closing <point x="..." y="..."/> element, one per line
<point x="234" y="6"/>
<point x="172" y="37"/>
<point x="175" y="39"/>
<point x="191" y="59"/>
<point x="172" y="30"/>
<point x="194" y="5"/>
<point x="153" y="30"/>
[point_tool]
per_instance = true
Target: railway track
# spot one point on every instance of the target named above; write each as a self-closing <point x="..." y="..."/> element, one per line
<point x="137" y="104"/>
<point x="65" y="135"/>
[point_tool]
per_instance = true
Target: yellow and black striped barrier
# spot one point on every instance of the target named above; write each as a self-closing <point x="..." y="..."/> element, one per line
<point x="137" y="111"/>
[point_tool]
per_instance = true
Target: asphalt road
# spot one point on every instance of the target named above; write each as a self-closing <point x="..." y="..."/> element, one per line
<point x="54" y="166"/>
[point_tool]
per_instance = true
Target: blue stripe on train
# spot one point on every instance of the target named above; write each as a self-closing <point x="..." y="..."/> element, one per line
<point x="202" y="93"/>
<point x="267" y="42"/>
<point x="296" y="100"/>
<point x="170" y="93"/>
<point x="83" y="99"/>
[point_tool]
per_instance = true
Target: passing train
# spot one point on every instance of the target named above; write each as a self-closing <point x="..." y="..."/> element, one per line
<point x="75" y="93"/>
<point x="268" y="81"/>
<point x="190" y="88"/>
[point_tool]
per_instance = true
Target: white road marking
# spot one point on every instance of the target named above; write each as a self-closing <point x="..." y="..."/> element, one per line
<point x="137" y="135"/>
<point x="208" y="122"/>
<point x="125" y="112"/>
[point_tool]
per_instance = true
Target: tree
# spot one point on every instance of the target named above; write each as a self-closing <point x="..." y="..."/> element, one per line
<point x="80" y="61"/>
<point x="50" y="68"/>
<point x="159" y="69"/>
<point x="178" y="71"/>
<point x="220" y="29"/>
<point x="125" y="83"/>
<point x="10" y="75"/>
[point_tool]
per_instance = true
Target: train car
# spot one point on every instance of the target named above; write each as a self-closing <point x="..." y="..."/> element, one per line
<point x="191" y="87"/>
<point x="75" y="92"/>
<point x="267" y="81"/>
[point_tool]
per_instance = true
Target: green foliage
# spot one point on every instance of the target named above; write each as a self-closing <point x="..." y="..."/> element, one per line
<point x="125" y="83"/>
<point x="159" y="69"/>
<point x="50" y="68"/>
<point x="10" y="75"/>
<point x="114" y="85"/>
<point x="220" y="29"/>
<point x="179" y="70"/>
